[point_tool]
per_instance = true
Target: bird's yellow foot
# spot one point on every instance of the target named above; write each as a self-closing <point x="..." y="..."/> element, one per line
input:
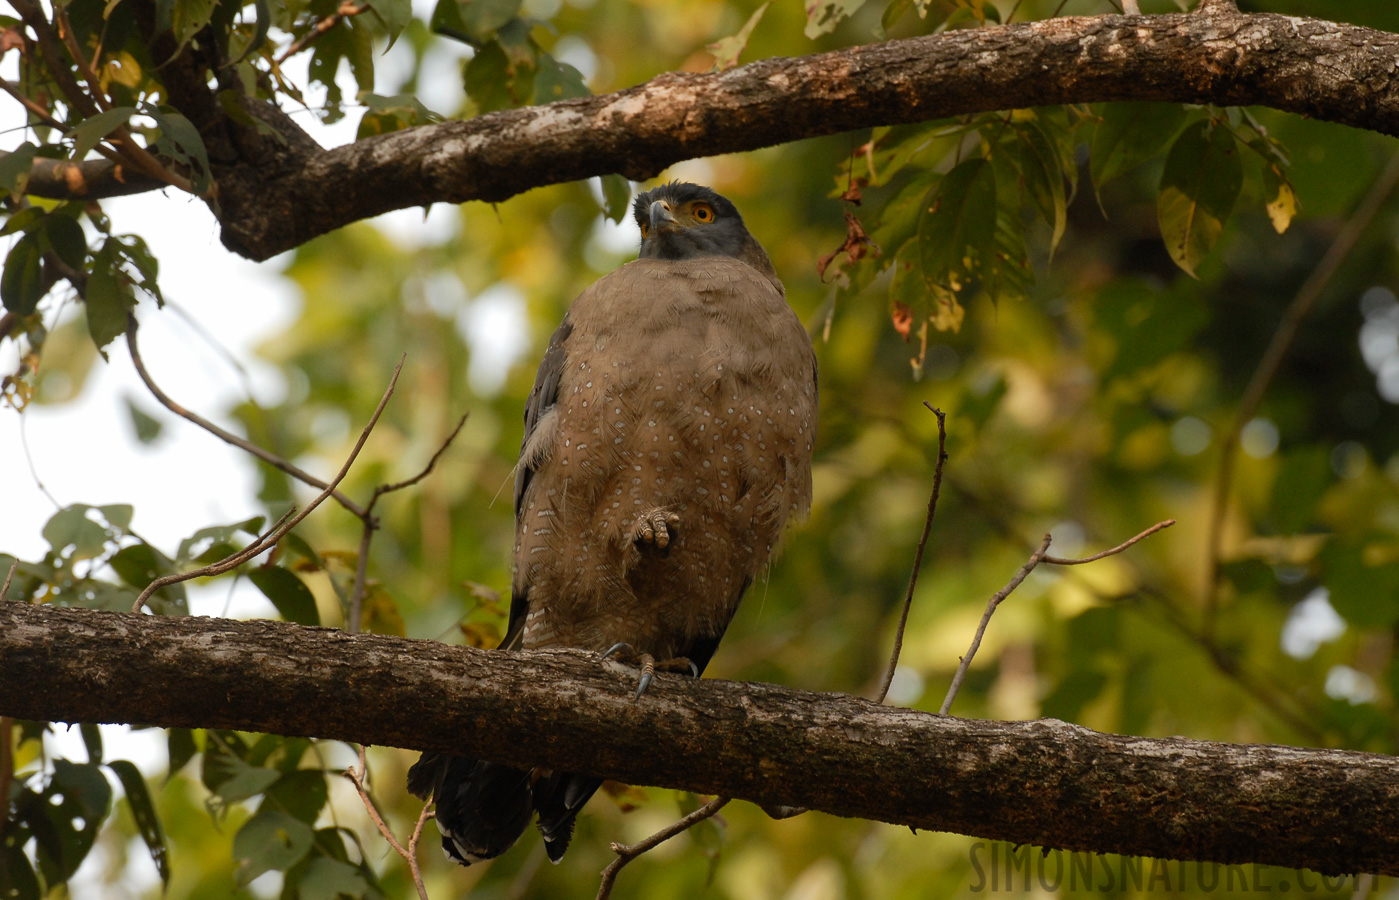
<point x="654" y="528"/>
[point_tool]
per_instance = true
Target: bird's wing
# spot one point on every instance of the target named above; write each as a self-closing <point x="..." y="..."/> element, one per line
<point x="541" y="400"/>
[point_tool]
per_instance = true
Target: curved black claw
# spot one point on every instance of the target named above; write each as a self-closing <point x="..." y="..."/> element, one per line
<point x="619" y="648"/>
<point x="648" y="669"/>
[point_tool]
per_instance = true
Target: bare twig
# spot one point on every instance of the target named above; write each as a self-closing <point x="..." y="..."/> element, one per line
<point x="371" y="524"/>
<point x="917" y="557"/>
<point x="1058" y="561"/>
<point x="1307" y="296"/>
<point x="409" y="854"/>
<point x="626" y="853"/>
<point x="427" y="470"/>
<point x="1039" y="556"/>
<point x="1035" y="559"/>
<point x="4" y="591"/>
<point x="346" y="10"/>
<point x="1130" y="8"/>
<point x="286" y="523"/>
<point x="228" y="437"/>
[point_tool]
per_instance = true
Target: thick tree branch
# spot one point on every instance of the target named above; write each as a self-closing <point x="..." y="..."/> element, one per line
<point x="1340" y="73"/>
<point x="1046" y="782"/>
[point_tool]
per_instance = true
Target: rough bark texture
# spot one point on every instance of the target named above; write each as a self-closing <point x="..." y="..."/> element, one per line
<point x="1046" y="783"/>
<point x="274" y="196"/>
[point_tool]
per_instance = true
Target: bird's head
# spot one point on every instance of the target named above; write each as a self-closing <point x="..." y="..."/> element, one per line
<point x="683" y="221"/>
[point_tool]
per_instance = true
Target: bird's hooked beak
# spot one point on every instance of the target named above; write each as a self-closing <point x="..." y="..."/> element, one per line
<point x="662" y="221"/>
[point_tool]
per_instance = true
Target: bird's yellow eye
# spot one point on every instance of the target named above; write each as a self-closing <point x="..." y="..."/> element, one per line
<point x="645" y="230"/>
<point x="703" y="212"/>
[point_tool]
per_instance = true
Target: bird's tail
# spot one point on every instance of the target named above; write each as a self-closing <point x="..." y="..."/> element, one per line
<point x="483" y="807"/>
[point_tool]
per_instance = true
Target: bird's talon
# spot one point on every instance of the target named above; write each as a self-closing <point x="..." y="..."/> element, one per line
<point x="617" y="649"/>
<point x="648" y="670"/>
<point x="654" y="528"/>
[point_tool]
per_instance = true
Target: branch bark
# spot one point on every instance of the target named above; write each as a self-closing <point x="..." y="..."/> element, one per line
<point x="1046" y="782"/>
<point x="1340" y="73"/>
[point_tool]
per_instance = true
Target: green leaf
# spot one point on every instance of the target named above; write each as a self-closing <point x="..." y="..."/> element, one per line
<point x="181" y="748"/>
<point x="301" y="794"/>
<point x="109" y="297"/>
<point x="24" y="220"/>
<point x="180" y="140"/>
<point x="394" y="15"/>
<point x="188" y="17"/>
<point x="269" y="841"/>
<point x="957" y="228"/>
<point x="1202" y="180"/>
<point x="138" y="797"/>
<point x="329" y="879"/>
<point x="1128" y="134"/>
<point x="727" y="50"/>
<point x="74" y="536"/>
<point x="616" y="196"/>
<point x="1298" y="488"/>
<point x="140" y="564"/>
<point x="216" y="535"/>
<point x="92" y="741"/>
<point x="822" y="16"/>
<point x="483" y="18"/>
<point x="147" y="427"/>
<point x="17" y="878"/>
<point x="1364" y="592"/>
<point x="21" y="284"/>
<point x="288" y="593"/>
<point x="118" y="515"/>
<point x="487" y="79"/>
<point x="66" y="238"/>
<point x="14" y="168"/>
<point x="89" y="132"/>
<point x="231" y="778"/>
<point x="76" y="802"/>
<point x="1043" y="179"/>
<point x="556" y="80"/>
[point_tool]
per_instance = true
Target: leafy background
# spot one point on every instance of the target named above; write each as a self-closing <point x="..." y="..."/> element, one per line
<point x="1034" y="280"/>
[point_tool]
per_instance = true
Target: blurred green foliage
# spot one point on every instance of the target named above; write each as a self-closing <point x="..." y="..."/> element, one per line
<point x="1031" y="272"/>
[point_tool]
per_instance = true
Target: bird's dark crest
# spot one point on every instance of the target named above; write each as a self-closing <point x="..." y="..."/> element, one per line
<point x="679" y="192"/>
<point x="725" y="235"/>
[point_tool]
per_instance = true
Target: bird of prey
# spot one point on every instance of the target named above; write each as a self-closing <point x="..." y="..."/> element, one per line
<point x="667" y="442"/>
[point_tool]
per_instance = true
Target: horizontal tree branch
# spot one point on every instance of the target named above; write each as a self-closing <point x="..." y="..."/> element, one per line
<point x="1046" y="782"/>
<point x="93" y="179"/>
<point x="1340" y="73"/>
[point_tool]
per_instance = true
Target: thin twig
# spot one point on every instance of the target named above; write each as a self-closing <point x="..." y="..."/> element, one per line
<point x="1057" y="561"/>
<point x="355" y="608"/>
<point x="1307" y="296"/>
<point x="1035" y="559"/>
<point x="371" y="524"/>
<point x="626" y="853"/>
<point x="409" y="855"/>
<point x="4" y="592"/>
<point x="346" y="10"/>
<point x="286" y="523"/>
<point x="427" y="470"/>
<point x="228" y="437"/>
<point x="917" y="557"/>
